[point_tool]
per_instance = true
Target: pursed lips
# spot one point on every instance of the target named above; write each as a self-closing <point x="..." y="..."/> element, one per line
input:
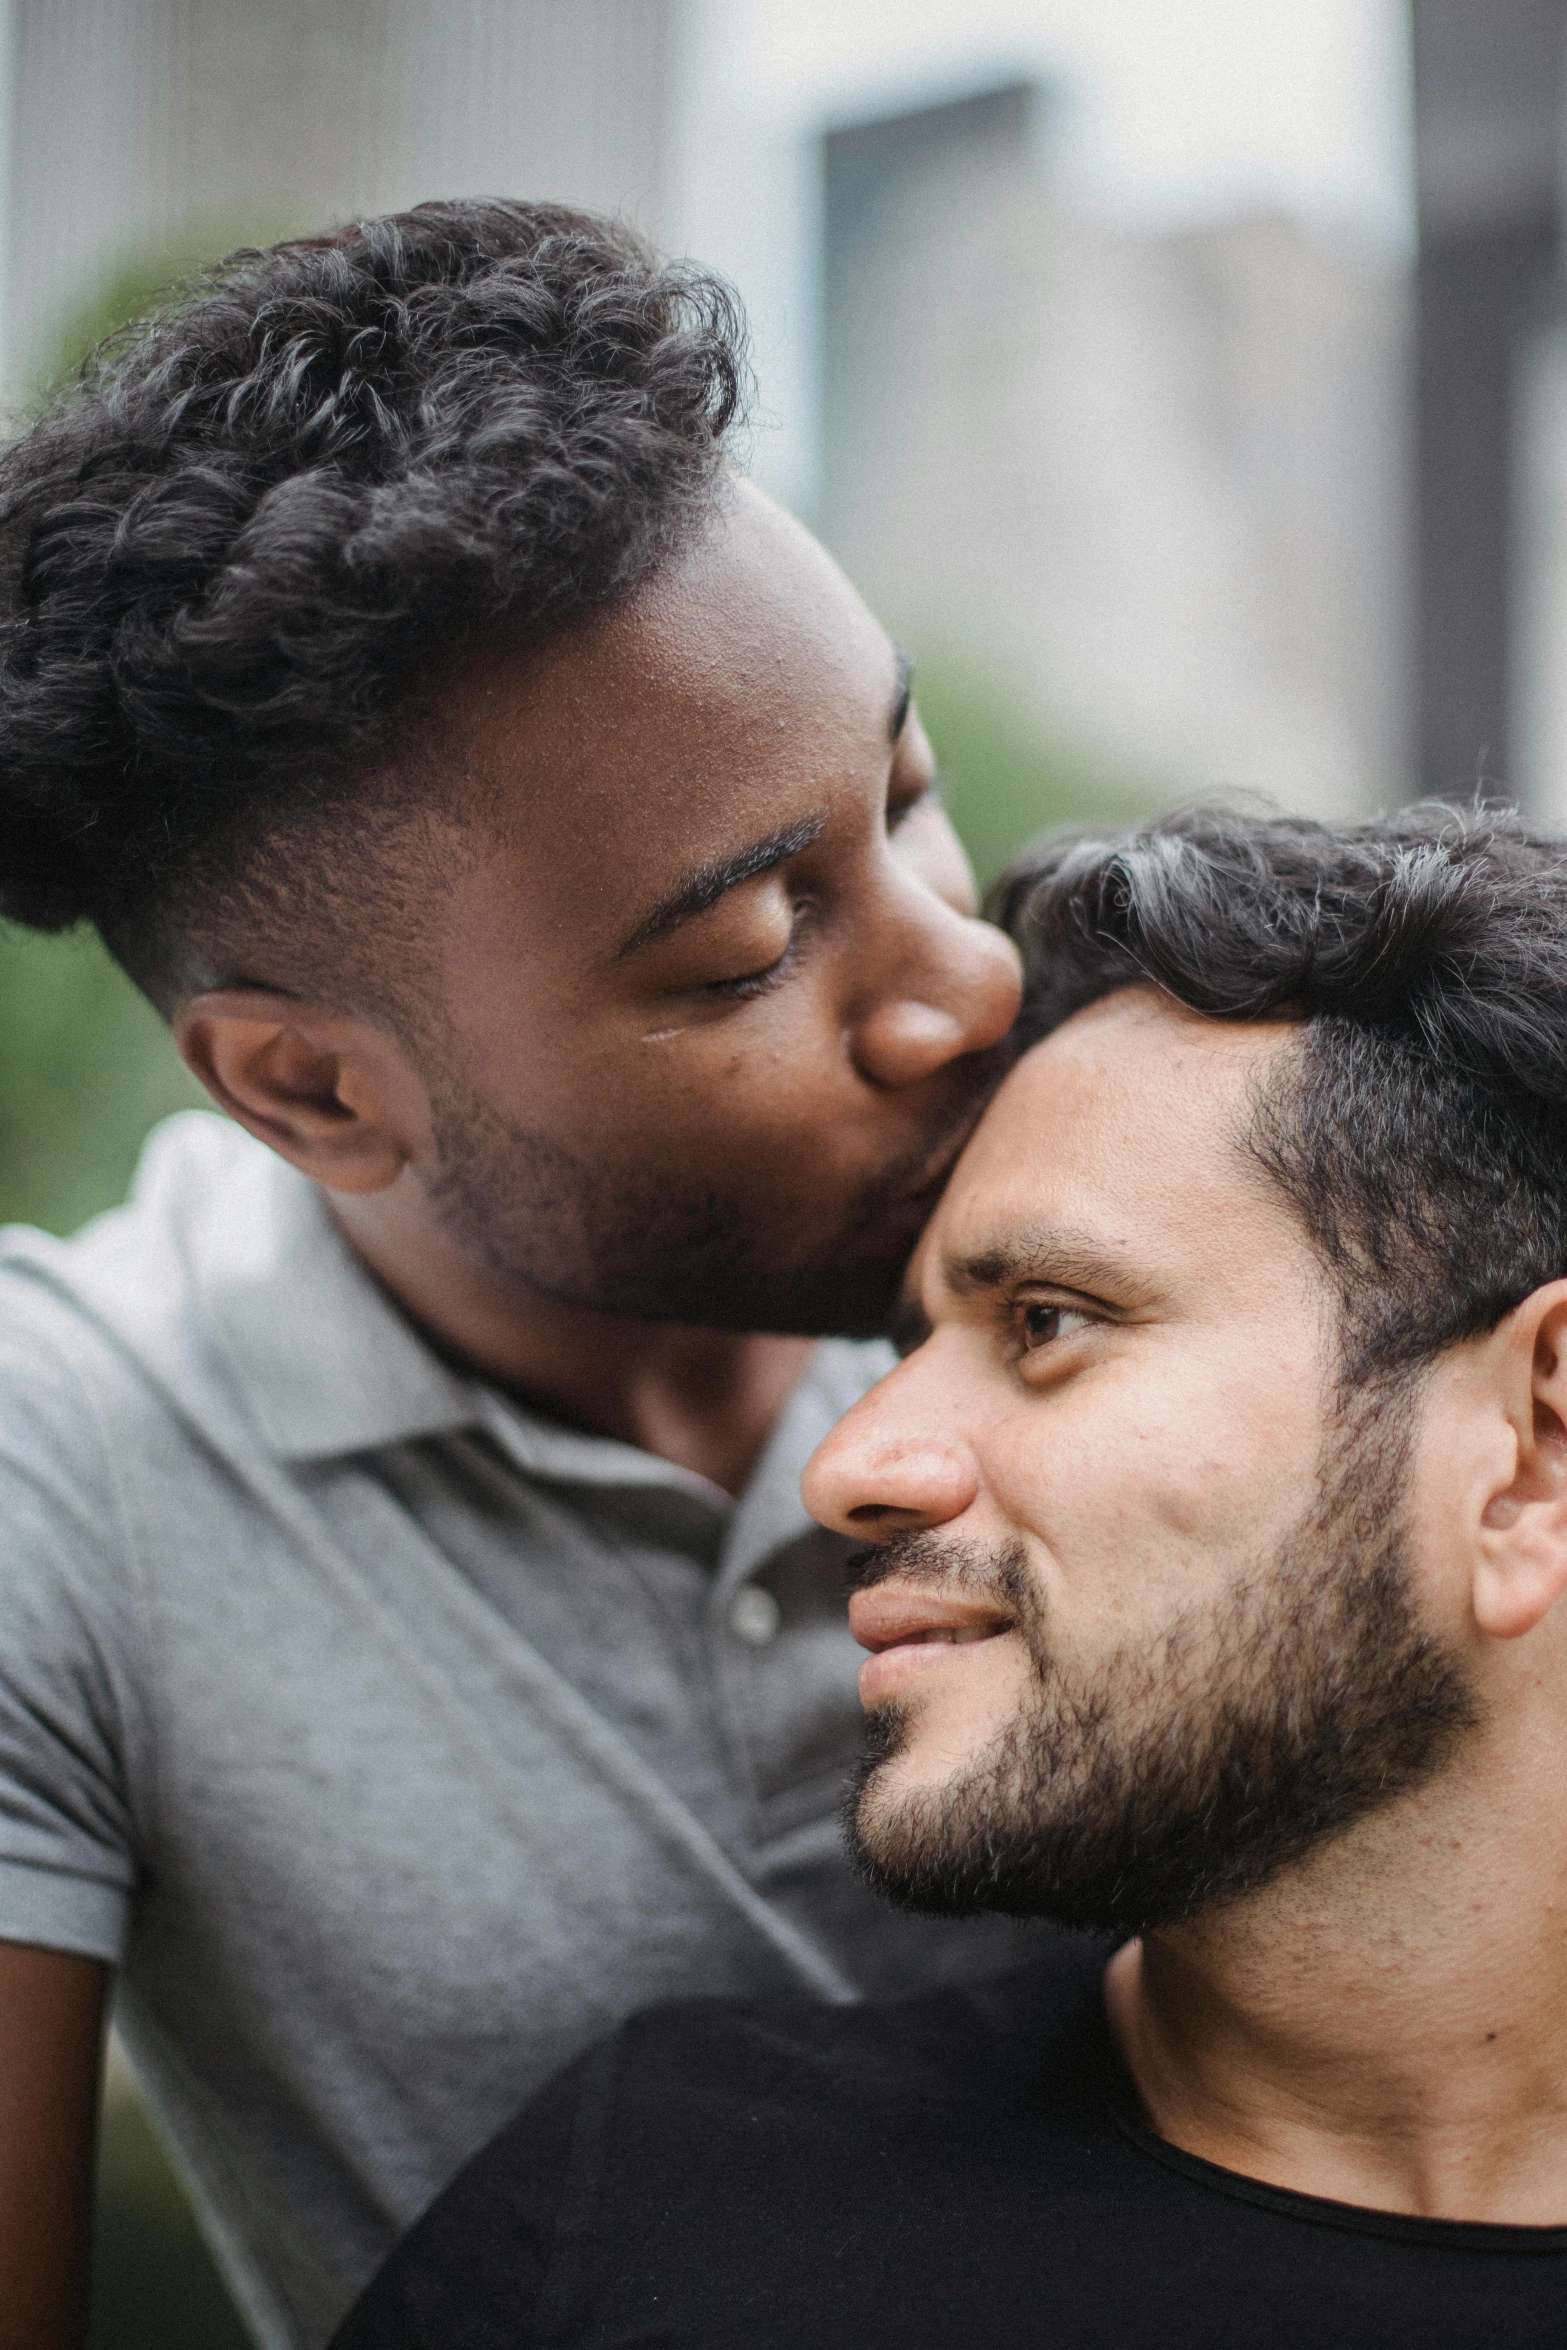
<point x="911" y="1631"/>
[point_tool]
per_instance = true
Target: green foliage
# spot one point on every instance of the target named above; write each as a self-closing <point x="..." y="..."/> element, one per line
<point x="1006" y="779"/>
<point x="86" y="1066"/>
<point x="154" y="2286"/>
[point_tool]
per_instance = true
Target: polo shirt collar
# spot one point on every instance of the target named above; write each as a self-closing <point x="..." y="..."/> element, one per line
<point x="326" y="1364"/>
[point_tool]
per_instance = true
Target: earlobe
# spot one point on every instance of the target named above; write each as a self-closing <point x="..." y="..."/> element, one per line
<point x="328" y="1092"/>
<point x="1522" y="1568"/>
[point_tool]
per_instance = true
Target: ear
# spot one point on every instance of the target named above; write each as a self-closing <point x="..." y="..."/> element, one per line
<point x="1522" y="1567"/>
<point x="332" y="1094"/>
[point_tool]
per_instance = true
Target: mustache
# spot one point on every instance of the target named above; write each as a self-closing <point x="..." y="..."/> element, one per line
<point x="934" y="1563"/>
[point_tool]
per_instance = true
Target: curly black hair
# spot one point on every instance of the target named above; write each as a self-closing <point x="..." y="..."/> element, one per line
<point x="257" y="525"/>
<point x="1420" y="1129"/>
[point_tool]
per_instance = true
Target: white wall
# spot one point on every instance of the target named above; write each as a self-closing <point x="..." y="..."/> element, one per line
<point x="1150" y="484"/>
<point x="1178" y="112"/>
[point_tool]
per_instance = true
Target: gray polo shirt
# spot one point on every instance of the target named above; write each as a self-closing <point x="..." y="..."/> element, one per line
<point x="393" y="1740"/>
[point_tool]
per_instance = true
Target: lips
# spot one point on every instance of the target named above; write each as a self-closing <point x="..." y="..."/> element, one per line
<point x="911" y="1632"/>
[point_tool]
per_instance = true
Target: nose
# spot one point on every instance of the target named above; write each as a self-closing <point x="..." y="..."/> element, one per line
<point x="881" y="1473"/>
<point x="953" y="987"/>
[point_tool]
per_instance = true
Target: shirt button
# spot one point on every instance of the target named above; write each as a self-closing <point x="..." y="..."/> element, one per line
<point x="754" y="1615"/>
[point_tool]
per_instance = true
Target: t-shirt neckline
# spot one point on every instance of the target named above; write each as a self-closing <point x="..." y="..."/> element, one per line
<point x="1119" y="2095"/>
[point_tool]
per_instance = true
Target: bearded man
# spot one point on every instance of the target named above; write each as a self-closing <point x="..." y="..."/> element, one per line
<point x="1216" y="1527"/>
<point x="413" y="1651"/>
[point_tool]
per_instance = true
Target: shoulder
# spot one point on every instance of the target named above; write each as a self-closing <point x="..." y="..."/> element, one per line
<point x="195" y="1169"/>
<point x="91" y="1328"/>
<point x="683" y="2090"/>
<point x="135" y="1262"/>
<point x="88" y="1327"/>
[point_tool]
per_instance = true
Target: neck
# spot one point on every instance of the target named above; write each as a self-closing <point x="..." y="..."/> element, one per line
<point x="705" y="1399"/>
<point x="1387" y="2024"/>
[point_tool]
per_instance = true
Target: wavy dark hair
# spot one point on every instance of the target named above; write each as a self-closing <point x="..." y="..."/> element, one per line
<point x="235" y="549"/>
<point x="1419" y="1128"/>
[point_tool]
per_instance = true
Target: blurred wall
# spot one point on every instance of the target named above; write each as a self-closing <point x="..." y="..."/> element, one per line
<point x="1488" y="140"/>
<point x="1154" y="485"/>
<point x="162" y="130"/>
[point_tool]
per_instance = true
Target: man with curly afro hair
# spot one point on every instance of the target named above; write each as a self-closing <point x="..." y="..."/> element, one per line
<point x="413" y="1651"/>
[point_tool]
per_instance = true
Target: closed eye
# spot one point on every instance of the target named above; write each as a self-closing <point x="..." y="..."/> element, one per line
<point x="899" y="811"/>
<point x="767" y="976"/>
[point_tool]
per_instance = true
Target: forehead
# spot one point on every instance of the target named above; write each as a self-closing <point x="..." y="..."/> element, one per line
<point x="1125" y="1128"/>
<point x="702" y="690"/>
<point x="742" y="691"/>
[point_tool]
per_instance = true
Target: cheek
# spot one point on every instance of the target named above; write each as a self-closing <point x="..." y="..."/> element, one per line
<point x="1142" y="1487"/>
<point x="1463" y="1461"/>
<point x="772" y="1118"/>
<point x="775" y="1084"/>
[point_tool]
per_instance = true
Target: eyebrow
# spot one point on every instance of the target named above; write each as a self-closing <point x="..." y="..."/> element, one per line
<point x="703" y="886"/>
<point x="700" y="889"/>
<point x="1061" y="1257"/>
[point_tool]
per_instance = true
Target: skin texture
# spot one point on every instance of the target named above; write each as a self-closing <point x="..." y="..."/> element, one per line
<point x="51" y="2031"/>
<point x="743" y="1120"/>
<point x="1136" y="1392"/>
<point x="1184" y="1768"/>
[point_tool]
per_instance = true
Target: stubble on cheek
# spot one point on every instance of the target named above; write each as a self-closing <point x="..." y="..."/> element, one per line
<point x="674" y="1236"/>
<point x="1182" y="1771"/>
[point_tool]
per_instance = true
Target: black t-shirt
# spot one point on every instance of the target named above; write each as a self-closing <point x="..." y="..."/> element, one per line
<point x="960" y="2171"/>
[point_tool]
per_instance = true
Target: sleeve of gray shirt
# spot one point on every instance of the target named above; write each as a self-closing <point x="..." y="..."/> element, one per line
<point x="67" y="1641"/>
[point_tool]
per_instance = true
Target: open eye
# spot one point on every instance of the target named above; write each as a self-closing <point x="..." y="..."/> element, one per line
<point x="1041" y="1323"/>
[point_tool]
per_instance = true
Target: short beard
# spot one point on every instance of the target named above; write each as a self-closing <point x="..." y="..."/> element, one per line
<point x="1189" y="1771"/>
<point x="634" y="1241"/>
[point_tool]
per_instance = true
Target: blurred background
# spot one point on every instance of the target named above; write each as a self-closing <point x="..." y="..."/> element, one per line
<point x="1185" y="380"/>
